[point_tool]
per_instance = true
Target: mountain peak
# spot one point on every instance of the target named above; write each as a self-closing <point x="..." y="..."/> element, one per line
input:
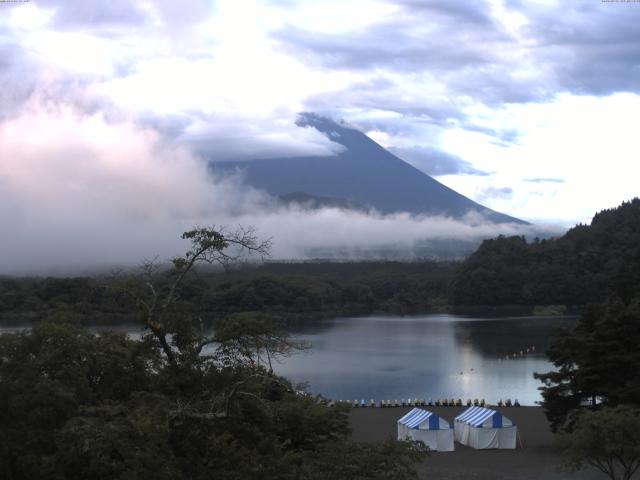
<point x="364" y="173"/>
<point x="319" y="122"/>
<point x="344" y="134"/>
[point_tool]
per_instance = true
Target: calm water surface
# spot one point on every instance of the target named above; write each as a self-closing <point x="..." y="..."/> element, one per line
<point x="432" y="356"/>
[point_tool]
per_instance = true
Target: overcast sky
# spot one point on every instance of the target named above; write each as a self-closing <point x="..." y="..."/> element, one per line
<point x="529" y="107"/>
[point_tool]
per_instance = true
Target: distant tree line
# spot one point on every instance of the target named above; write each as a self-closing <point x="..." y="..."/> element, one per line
<point x="576" y="269"/>
<point x="292" y="291"/>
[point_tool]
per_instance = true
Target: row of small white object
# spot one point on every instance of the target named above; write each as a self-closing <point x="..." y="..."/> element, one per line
<point x="416" y="402"/>
<point x="530" y="349"/>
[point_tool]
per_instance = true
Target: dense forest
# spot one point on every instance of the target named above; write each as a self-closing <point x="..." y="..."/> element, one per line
<point x="579" y="268"/>
<point x="289" y="290"/>
<point x="592" y="396"/>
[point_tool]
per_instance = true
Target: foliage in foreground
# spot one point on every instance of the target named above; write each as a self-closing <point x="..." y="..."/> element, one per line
<point x="77" y="405"/>
<point x="178" y="403"/>
<point x="596" y="362"/>
<point x="608" y="440"/>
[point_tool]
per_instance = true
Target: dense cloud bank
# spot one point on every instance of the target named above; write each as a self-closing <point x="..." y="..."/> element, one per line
<point x="109" y="110"/>
<point x="227" y="80"/>
<point x="86" y="192"/>
<point x="76" y="190"/>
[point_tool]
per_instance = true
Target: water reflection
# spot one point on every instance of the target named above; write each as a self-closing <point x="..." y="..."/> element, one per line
<point x="429" y="356"/>
<point x="433" y="356"/>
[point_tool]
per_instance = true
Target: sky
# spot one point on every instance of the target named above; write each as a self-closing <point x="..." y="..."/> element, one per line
<point x="108" y="111"/>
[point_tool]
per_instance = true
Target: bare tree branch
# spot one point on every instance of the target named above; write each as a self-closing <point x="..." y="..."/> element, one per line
<point x="207" y="245"/>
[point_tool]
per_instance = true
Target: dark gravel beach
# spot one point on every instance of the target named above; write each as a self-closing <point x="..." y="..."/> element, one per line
<point x="538" y="459"/>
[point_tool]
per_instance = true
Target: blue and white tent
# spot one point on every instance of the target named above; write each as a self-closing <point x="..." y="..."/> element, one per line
<point x="482" y="428"/>
<point x="427" y="427"/>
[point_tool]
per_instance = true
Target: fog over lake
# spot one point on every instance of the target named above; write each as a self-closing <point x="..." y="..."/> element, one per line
<point x="431" y="356"/>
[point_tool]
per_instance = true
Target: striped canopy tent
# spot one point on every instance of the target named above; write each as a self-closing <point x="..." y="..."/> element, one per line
<point x="427" y="427"/>
<point x="483" y="428"/>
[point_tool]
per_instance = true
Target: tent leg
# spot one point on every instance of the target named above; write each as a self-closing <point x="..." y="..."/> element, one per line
<point x="520" y="439"/>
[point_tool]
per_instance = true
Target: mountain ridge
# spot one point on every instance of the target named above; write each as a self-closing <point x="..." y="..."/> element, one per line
<point x="364" y="173"/>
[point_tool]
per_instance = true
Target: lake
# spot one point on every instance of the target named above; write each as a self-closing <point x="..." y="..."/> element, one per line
<point x="430" y="356"/>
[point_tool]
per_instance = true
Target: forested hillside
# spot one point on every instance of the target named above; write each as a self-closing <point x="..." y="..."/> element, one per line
<point x="578" y="268"/>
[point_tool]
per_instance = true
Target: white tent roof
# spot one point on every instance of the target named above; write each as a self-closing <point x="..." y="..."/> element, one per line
<point x="423" y="419"/>
<point x="484" y="417"/>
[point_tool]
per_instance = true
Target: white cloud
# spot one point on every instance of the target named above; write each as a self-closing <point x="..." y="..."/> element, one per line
<point x="298" y="233"/>
<point x="79" y="191"/>
<point x="234" y="138"/>
<point x="29" y="17"/>
<point x="223" y="71"/>
<point x="587" y="141"/>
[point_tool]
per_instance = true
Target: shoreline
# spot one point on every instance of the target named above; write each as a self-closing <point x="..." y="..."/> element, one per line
<point x="537" y="460"/>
